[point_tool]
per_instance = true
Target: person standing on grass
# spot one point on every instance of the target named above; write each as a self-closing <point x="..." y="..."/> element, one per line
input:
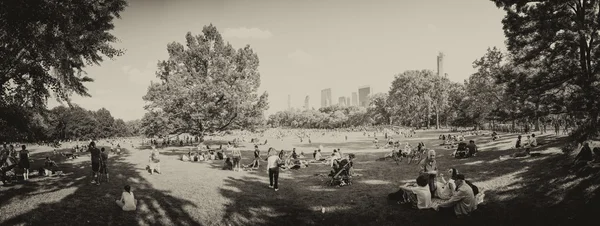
<point x="103" y="164"/>
<point x="237" y="157"/>
<point x="95" y="155"/>
<point x="428" y="167"/>
<point x="24" y="161"/>
<point x="273" y="164"/>
<point x="154" y="161"/>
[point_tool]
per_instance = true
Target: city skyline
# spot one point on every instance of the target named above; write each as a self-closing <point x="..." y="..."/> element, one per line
<point x="301" y="50"/>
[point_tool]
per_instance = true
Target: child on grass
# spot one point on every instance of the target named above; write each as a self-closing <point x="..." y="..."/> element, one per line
<point x="127" y="201"/>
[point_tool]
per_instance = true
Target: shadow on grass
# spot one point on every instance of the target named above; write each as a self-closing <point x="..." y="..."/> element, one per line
<point x="72" y="200"/>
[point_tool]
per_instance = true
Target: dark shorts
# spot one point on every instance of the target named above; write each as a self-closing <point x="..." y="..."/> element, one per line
<point x="24" y="164"/>
<point x="103" y="169"/>
<point x="236" y="160"/>
<point x="95" y="166"/>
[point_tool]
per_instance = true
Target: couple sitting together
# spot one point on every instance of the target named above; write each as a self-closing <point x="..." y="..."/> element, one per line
<point x="458" y="194"/>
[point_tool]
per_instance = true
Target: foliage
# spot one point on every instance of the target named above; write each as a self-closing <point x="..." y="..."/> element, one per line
<point x="554" y="47"/>
<point x="47" y="44"/>
<point x="208" y="86"/>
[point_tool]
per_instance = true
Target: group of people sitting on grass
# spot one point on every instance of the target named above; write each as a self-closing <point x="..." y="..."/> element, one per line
<point x="587" y="160"/>
<point x="458" y="194"/>
<point x="524" y="148"/>
<point x="465" y="150"/>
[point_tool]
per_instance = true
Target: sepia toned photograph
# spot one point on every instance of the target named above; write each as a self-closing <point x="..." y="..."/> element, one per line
<point x="299" y="112"/>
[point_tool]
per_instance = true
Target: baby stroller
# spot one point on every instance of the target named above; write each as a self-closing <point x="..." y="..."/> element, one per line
<point x="7" y="170"/>
<point x="340" y="174"/>
<point x="462" y="151"/>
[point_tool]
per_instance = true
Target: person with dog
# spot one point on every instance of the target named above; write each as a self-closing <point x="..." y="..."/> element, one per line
<point x="428" y="167"/>
<point x="462" y="201"/>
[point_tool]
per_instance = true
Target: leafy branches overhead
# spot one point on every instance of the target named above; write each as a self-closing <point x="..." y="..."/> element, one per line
<point x="205" y="86"/>
<point x="555" y="49"/>
<point x="46" y="45"/>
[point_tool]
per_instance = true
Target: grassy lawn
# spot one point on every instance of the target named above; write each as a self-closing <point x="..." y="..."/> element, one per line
<point x="529" y="191"/>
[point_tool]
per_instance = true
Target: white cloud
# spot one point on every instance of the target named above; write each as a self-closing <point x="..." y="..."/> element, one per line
<point x="431" y="28"/>
<point x="247" y="33"/>
<point x="301" y="57"/>
<point x="140" y="77"/>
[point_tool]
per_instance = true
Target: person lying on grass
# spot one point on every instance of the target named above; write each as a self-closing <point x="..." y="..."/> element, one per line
<point x="463" y="200"/>
<point x="127" y="201"/>
<point x="417" y="197"/>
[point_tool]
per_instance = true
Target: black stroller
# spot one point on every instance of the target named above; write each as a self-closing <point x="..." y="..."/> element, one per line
<point x="7" y="170"/>
<point x="340" y="174"/>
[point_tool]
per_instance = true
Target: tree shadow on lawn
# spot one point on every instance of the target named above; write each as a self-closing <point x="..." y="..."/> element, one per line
<point x="86" y="203"/>
<point x="303" y="195"/>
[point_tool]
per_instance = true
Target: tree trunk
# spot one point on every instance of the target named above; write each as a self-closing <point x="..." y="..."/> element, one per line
<point x="437" y="118"/>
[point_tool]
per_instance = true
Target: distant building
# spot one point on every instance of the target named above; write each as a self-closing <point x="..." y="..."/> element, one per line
<point x="342" y="101"/>
<point x="363" y="96"/>
<point x="354" y="99"/>
<point x="306" y="102"/>
<point x="440" y="64"/>
<point x="326" y="97"/>
<point x="348" y="102"/>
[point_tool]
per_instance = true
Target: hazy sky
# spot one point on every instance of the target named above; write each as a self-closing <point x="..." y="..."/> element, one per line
<point x="303" y="45"/>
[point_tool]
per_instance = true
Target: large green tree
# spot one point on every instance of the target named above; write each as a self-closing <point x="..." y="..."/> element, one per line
<point x="207" y="86"/>
<point x="557" y="44"/>
<point x="45" y="45"/>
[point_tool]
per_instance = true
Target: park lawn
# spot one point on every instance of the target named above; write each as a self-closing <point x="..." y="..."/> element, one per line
<point x="532" y="191"/>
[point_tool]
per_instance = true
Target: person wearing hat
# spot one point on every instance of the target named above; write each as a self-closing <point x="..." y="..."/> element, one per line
<point x="462" y="201"/>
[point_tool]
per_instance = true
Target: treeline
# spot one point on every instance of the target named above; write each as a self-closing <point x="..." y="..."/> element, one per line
<point x="493" y="97"/>
<point x="62" y="123"/>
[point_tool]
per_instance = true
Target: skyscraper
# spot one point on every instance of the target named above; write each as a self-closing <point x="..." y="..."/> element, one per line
<point x="342" y="101"/>
<point x="354" y="99"/>
<point x="348" y="102"/>
<point x="326" y="97"/>
<point x="306" y="102"/>
<point x="440" y="64"/>
<point x="363" y="95"/>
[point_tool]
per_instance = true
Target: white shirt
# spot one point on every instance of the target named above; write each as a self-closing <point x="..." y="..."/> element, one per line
<point x="423" y="197"/>
<point x="128" y="201"/>
<point x="533" y="142"/>
<point x="273" y="161"/>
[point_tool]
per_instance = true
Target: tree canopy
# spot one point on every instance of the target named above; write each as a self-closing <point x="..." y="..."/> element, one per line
<point x="205" y="86"/>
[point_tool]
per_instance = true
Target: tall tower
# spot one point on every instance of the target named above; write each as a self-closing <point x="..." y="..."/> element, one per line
<point x="440" y="64"/>
<point x="354" y="99"/>
<point x="342" y="101"/>
<point x="326" y="97"/>
<point x="363" y="96"/>
<point x="306" y="102"/>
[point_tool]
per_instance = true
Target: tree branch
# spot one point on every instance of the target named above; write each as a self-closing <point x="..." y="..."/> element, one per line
<point x="228" y="123"/>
